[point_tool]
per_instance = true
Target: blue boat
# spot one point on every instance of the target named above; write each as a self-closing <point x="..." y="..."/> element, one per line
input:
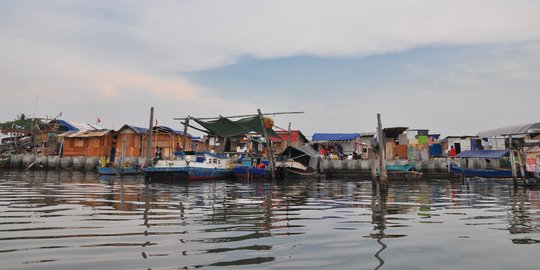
<point x="250" y="172"/>
<point x="484" y="173"/>
<point x="118" y="171"/>
<point x="190" y="166"/>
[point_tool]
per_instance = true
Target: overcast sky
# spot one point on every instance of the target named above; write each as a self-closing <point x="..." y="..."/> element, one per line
<point x="454" y="67"/>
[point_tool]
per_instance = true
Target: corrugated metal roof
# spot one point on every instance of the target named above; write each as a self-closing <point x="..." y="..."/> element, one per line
<point x="138" y="130"/>
<point x="334" y="136"/>
<point x="73" y="126"/>
<point x="168" y="129"/>
<point x="517" y="129"/>
<point x="483" y="154"/>
<point x="85" y="133"/>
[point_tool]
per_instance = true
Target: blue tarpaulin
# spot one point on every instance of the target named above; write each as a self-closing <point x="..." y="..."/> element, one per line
<point x="483" y="154"/>
<point x="335" y="136"/>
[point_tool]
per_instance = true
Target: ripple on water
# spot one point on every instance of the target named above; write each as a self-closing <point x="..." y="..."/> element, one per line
<point x="66" y="221"/>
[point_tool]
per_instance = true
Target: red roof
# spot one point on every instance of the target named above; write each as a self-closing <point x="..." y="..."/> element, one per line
<point x="294" y="135"/>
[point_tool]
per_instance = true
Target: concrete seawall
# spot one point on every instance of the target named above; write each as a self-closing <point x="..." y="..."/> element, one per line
<point x="64" y="163"/>
<point x="435" y="165"/>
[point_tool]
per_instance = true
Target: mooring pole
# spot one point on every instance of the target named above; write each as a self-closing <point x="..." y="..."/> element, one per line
<point x="382" y="152"/>
<point x="521" y="169"/>
<point x="184" y="139"/>
<point x="149" y="138"/>
<point x="512" y="160"/>
<point x="123" y="157"/>
<point x="270" y="151"/>
<point x="289" y="135"/>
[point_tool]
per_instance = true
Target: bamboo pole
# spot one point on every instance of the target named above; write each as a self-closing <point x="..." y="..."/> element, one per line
<point x="270" y="151"/>
<point x="149" y="139"/>
<point x="238" y="116"/>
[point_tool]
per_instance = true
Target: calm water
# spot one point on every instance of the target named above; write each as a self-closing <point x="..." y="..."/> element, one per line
<point x="65" y="220"/>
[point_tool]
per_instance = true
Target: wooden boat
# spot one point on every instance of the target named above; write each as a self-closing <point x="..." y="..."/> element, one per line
<point x="248" y="169"/>
<point x="190" y="166"/>
<point x="302" y="161"/>
<point x="119" y="171"/>
<point x="251" y="172"/>
<point x="403" y="172"/>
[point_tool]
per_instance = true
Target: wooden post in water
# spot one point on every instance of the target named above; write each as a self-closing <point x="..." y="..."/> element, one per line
<point x="373" y="166"/>
<point x="382" y="154"/>
<point x="123" y="157"/>
<point x="270" y="151"/>
<point x="184" y="139"/>
<point x="521" y="169"/>
<point x="512" y="160"/>
<point x="149" y="138"/>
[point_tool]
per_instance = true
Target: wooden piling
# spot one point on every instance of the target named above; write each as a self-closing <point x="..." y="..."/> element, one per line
<point x="270" y="151"/>
<point x="184" y="139"/>
<point x="123" y="156"/>
<point x="149" y="138"/>
<point x="512" y="160"/>
<point x="383" y="177"/>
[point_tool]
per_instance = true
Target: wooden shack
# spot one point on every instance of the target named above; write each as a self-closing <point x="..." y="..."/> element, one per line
<point x="166" y="138"/>
<point x="47" y="136"/>
<point x="89" y="143"/>
<point x="134" y="137"/>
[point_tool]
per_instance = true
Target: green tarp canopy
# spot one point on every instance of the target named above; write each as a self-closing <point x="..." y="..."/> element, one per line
<point x="227" y="128"/>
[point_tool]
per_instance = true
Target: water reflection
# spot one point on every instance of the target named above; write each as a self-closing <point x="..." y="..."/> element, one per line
<point x="60" y="220"/>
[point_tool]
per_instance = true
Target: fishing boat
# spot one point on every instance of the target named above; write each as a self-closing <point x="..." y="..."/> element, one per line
<point x="248" y="169"/>
<point x="484" y="173"/>
<point x="190" y="166"/>
<point x="302" y="161"/>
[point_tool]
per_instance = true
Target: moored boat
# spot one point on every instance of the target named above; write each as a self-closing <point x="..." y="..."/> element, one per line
<point x="403" y="172"/>
<point x="302" y="161"/>
<point x="118" y="171"/>
<point x="190" y="166"/>
<point x="484" y="173"/>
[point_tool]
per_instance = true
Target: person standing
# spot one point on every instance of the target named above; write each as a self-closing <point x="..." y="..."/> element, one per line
<point x="158" y="152"/>
<point x="112" y="153"/>
<point x="452" y="152"/>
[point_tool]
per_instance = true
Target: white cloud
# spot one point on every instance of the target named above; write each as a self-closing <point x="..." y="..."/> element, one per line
<point x="102" y="57"/>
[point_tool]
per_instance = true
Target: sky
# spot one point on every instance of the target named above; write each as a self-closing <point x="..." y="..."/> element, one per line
<point x="454" y="67"/>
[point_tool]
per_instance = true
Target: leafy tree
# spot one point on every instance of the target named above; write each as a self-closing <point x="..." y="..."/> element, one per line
<point x="21" y="122"/>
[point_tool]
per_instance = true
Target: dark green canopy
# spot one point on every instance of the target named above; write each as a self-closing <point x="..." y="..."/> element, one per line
<point x="224" y="127"/>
